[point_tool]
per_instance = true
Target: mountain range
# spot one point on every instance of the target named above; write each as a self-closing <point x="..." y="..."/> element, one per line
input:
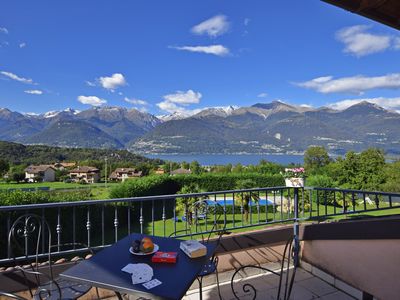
<point x="274" y="127"/>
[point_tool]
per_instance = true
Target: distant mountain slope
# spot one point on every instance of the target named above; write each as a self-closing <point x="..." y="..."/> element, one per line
<point x="102" y="127"/>
<point x="15" y="126"/>
<point x="277" y="128"/>
<point x="123" y="124"/>
<point x="68" y="133"/>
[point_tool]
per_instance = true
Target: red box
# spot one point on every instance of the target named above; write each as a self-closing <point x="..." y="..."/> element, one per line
<point x="164" y="257"/>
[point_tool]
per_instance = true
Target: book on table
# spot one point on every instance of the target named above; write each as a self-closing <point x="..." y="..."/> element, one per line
<point x="193" y="248"/>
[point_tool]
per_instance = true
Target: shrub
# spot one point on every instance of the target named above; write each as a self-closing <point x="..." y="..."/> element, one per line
<point x="221" y="182"/>
<point x="145" y="186"/>
<point x="21" y="197"/>
<point x="322" y="181"/>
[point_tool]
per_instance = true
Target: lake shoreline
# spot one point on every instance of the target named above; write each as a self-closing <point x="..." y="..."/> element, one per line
<point x="223" y="158"/>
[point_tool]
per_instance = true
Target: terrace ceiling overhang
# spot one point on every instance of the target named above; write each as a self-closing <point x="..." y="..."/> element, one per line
<point x="383" y="11"/>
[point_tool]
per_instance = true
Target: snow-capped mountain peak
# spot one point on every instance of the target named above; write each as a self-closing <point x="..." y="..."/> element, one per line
<point x="54" y="113"/>
<point x="174" y="116"/>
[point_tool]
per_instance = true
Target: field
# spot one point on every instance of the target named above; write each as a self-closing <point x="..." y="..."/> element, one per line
<point x="98" y="191"/>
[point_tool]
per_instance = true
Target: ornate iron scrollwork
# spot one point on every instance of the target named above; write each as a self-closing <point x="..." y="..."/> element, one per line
<point x="286" y="277"/>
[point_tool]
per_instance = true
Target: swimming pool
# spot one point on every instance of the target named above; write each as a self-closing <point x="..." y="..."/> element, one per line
<point x="230" y="202"/>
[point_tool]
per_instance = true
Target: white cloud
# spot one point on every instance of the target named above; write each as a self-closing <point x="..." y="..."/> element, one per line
<point x="114" y="81"/>
<point x="218" y="50"/>
<point x="355" y="84"/>
<point x="136" y="101"/>
<point x="388" y="103"/>
<point x="22" y="45"/>
<point x="213" y="27"/>
<point x="89" y="83"/>
<point x="34" y="92"/>
<point x="17" y="78"/>
<point x="246" y="21"/>
<point x="359" y="42"/>
<point x="396" y="43"/>
<point x="91" y="100"/>
<point x="306" y="105"/>
<point x="175" y="103"/>
<point x="262" y="95"/>
<point x="170" y="107"/>
<point x="4" y="30"/>
<point x="184" y="98"/>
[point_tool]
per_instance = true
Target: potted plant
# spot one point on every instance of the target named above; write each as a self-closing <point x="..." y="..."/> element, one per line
<point x="294" y="177"/>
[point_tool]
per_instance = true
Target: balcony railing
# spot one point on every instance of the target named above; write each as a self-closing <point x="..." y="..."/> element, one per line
<point x="100" y="223"/>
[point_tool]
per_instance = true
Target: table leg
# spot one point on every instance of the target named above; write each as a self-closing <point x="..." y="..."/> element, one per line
<point x="119" y="296"/>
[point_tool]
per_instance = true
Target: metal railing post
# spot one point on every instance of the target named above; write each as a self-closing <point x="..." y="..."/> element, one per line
<point x="296" y="244"/>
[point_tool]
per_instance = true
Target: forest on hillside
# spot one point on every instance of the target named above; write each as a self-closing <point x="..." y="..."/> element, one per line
<point x="15" y="153"/>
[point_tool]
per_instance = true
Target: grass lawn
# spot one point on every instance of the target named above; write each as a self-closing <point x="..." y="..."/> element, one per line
<point x="167" y="227"/>
<point x="100" y="193"/>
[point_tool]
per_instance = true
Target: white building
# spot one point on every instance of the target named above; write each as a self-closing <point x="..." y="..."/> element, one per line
<point x="41" y="173"/>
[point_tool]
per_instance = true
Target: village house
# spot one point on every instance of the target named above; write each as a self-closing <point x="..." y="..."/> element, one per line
<point x="40" y="173"/>
<point x="121" y="174"/>
<point x="64" y="165"/>
<point x="159" y="171"/>
<point x="85" y="174"/>
<point x="181" y="171"/>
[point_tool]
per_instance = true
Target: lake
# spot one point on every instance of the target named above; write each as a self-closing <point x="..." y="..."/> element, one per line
<point x="223" y="159"/>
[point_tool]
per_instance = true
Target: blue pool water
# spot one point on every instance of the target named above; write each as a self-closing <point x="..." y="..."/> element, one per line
<point x="230" y="202"/>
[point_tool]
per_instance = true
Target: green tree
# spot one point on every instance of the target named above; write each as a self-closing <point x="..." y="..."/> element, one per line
<point x="185" y="165"/>
<point x="18" y="176"/>
<point x="183" y="203"/>
<point x="238" y="168"/>
<point x="364" y="171"/>
<point x="321" y="181"/>
<point x="265" y="167"/>
<point x="4" y="166"/>
<point x="392" y="175"/>
<point x="372" y="169"/>
<point x="222" y="168"/>
<point x="245" y="197"/>
<point x="170" y="166"/>
<point x="315" y="158"/>
<point x="195" y="167"/>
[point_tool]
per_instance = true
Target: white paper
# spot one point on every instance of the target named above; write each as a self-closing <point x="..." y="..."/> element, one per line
<point x="129" y="268"/>
<point x="152" y="283"/>
<point x="140" y="272"/>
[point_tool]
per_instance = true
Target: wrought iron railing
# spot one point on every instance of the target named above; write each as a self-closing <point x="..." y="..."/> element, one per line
<point x="100" y="223"/>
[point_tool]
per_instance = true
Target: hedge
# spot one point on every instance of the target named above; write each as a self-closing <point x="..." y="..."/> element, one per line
<point x="20" y="197"/>
<point x="164" y="185"/>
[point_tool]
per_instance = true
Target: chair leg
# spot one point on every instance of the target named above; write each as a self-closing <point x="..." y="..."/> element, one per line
<point x="219" y="291"/>
<point x="200" y="280"/>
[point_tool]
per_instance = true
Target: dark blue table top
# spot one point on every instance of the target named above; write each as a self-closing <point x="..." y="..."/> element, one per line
<point x="104" y="269"/>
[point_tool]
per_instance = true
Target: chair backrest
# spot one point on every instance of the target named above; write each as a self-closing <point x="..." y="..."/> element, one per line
<point x="286" y="275"/>
<point x="29" y="239"/>
<point x="204" y="218"/>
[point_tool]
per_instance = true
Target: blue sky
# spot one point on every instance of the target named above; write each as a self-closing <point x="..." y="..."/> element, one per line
<point x="165" y="56"/>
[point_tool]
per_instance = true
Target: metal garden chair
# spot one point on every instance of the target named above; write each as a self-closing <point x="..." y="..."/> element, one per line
<point x="286" y="275"/>
<point x="29" y="241"/>
<point x="203" y="219"/>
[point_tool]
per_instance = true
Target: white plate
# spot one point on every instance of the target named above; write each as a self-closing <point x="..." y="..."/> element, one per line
<point x="142" y="253"/>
